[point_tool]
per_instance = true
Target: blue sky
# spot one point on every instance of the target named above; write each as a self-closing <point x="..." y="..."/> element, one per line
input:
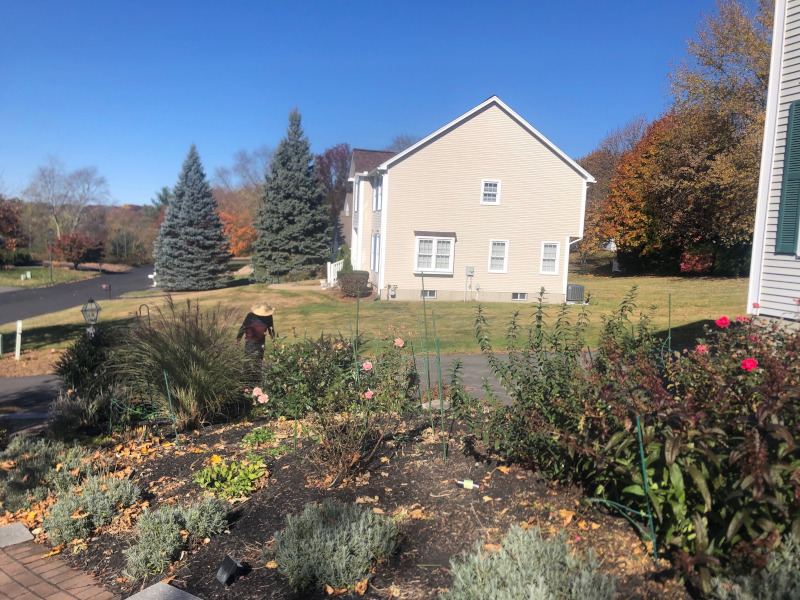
<point x="128" y="86"/>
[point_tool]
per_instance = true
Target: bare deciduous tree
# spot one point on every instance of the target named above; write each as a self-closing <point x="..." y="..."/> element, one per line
<point x="401" y="142"/>
<point x="66" y="195"/>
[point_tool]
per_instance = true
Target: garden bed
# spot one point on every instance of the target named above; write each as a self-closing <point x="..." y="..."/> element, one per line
<point x="406" y="479"/>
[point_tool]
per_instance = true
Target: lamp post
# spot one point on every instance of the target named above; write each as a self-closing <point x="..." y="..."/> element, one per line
<point x="50" y="248"/>
<point x="90" y="311"/>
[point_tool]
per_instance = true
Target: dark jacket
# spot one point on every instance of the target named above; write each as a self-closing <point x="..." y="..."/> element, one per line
<point x="255" y="329"/>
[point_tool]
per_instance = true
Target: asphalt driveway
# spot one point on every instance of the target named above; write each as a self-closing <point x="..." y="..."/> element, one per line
<point x="21" y="304"/>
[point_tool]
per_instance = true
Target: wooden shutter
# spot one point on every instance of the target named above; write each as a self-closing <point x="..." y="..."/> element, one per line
<point x="789" y="212"/>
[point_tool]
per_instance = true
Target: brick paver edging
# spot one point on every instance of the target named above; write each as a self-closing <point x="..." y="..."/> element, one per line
<point x="25" y="574"/>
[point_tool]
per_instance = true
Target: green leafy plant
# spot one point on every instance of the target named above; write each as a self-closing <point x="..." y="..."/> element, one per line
<point x="258" y="437"/>
<point x="234" y="480"/>
<point x="160" y="536"/>
<point x="84" y="366"/>
<point x="333" y="544"/>
<point x="526" y="565"/>
<point x="77" y="514"/>
<point x="192" y="351"/>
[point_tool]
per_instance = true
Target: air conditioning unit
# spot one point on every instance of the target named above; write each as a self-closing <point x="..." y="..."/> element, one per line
<point x="575" y="293"/>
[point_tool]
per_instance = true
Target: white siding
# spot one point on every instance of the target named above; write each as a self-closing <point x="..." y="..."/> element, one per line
<point x="779" y="281"/>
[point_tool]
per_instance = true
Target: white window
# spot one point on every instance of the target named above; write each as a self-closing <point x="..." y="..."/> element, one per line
<point x="346" y="208"/>
<point x="375" y="252"/>
<point x="498" y="256"/>
<point x="377" y="194"/>
<point x="550" y="258"/>
<point x="428" y="294"/>
<point x="490" y="191"/>
<point x="434" y="254"/>
<point x="521" y="296"/>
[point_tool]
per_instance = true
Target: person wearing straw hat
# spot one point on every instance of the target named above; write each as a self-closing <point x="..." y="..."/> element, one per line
<point x="257" y="324"/>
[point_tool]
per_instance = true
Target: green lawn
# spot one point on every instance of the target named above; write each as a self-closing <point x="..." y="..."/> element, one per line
<point x="40" y="276"/>
<point x="305" y="311"/>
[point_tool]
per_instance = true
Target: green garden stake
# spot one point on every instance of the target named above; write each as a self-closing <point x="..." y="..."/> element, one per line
<point x="646" y="493"/>
<point x="425" y="318"/>
<point x="171" y="412"/>
<point x="441" y="401"/>
<point x="669" y="325"/>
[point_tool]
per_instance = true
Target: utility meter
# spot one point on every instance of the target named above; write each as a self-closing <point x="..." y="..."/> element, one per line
<point x="470" y="271"/>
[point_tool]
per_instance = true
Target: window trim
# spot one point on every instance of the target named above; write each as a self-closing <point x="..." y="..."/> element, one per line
<point x="435" y="239"/>
<point x="541" y="259"/>
<point x="483" y="189"/>
<point x="428" y="294"/>
<point x="524" y="297"/>
<point x="505" y="256"/>
<point x="375" y="252"/>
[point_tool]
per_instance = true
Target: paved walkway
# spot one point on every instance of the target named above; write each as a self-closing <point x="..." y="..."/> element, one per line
<point x="25" y="401"/>
<point x="25" y="573"/>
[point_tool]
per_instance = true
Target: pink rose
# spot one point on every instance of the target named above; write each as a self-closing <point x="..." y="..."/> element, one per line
<point x="742" y="319"/>
<point x="756" y="305"/>
<point x="723" y="322"/>
<point x="246" y="390"/>
<point x="263" y="399"/>
<point x="753" y="338"/>
<point x="367" y="366"/>
<point x="368" y="395"/>
<point x="399" y="343"/>
<point x="748" y="364"/>
<point x="257" y="391"/>
<point x="701" y="349"/>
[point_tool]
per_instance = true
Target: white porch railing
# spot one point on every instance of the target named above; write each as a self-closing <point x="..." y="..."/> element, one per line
<point x="333" y="272"/>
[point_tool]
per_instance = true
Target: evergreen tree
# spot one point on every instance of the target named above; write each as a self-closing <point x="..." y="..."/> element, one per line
<point x="292" y="224"/>
<point x="191" y="251"/>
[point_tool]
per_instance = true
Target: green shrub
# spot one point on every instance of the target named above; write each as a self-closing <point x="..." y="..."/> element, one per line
<point x="234" y="480"/>
<point x="77" y="514"/>
<point x="159" y="540"/>
<point x="15" y="258"/>
<point x="719" y="429"/>
<point x="333" y="544"/>
<point x="354" y="284"/>
<point x="84" y="366"/>
<point x="75" y="411"/>
<point x="298" y="376"/>
<point x="206" y="518"/>
<point x="528" y="566"/>
<point x="38" y="468"/>
<point x="344" y="256"/>
<point x="200" y="357"/>
<point x="780" y="580"/>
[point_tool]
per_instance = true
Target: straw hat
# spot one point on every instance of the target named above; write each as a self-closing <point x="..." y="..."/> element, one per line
<point x="262" y="310"/>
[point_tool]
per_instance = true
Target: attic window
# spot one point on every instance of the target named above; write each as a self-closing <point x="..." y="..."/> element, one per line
<point x="490" y="191"/>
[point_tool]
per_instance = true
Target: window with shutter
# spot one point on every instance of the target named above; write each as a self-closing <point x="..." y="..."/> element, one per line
<point x="789" y="212"/>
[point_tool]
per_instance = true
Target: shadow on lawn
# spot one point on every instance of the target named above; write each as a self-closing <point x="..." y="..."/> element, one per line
<point x="686" y="335"/>
<point x="39" y="338"/>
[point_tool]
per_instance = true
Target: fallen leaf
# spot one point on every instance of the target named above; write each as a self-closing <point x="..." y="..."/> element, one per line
<point x="366" y="500"/>
<point x="197" y="450"/>
<point x="8" y="465"/>
<point x="377" y="511"/>
<point x="503" y="470"/>
<point x="582" y="525"/>
<point x="216" y="458"/>
<point x="361" y="587"/>
<point x="75" y="472"/>
<point x="594" y="525"/>
<point x="492" y="547"/>
<point x="334" y="592"/>
<point x="58" y="467"/>
<point x="272" y="565"/>
<point x="566" y="515"/>
<point x="168" y="579"/>
<point x="487" y="498"/>
<point x="384" y="459"/>
<point x="77" y="514"/>
<point x="54" y="551"/>
<point x="32" y="515"/>
<point x="286" y="467"/>
<point x="416" y="514"/>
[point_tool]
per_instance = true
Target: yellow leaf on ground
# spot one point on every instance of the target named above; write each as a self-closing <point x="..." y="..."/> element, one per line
<point x="58" y="467"/>
<point x="54" y="551"/>
<point x="491" y="547"/>
<point x="197" y="450"/>
<point x="361" y="587"/>
<point x="582" y="525"/>
<point x="377" y="511"/>
<point x="216" y="458"/>
<point x="168" y="579"/>
<point x="8" y="465"/>
<point x="487" y="498"/>
<point x="334" y="592"/>
<point x="272" y="565"/>
<point x="417" y="514"/>
<point x="503" y="470"/>
<point x="594" y="525"/>
<point x="77" y="514"/>
<point x="566" y="515"/>
<point x="384" y="459"/>
<point x="32" y="515"/>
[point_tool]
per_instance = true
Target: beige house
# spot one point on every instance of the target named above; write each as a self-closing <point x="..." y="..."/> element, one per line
<point x="775" y="265"/>
<point x="483" y="209"/>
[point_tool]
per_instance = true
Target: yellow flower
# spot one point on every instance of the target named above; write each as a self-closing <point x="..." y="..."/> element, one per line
<point x="216" y="458"/>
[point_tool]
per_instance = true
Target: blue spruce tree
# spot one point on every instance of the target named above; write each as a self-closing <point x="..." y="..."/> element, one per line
<point x="191" y="251"/>
<point x="293" y="226"/>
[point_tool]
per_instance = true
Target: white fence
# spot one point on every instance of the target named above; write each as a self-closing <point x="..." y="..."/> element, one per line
<point x="333" y="272"/>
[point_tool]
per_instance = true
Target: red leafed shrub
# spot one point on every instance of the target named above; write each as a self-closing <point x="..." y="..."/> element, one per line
<point x="76" y="248"/>
<point x="696" y="264"/>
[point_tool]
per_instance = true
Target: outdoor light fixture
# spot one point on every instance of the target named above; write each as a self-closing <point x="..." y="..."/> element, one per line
<point x="90" y="312"/>
<point x="229" y="570"/>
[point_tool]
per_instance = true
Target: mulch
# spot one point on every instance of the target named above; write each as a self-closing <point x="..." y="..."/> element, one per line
<point x="407" y="478"/>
